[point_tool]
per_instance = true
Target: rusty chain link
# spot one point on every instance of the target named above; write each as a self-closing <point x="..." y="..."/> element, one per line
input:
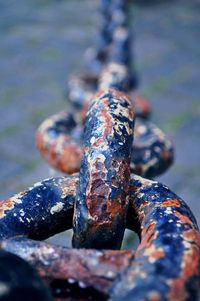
<point x="106" y="197"/>
<point x="102" y="193"/>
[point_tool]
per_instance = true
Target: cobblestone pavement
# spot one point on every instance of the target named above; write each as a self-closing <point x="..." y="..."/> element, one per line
<point x="42" y="41"/>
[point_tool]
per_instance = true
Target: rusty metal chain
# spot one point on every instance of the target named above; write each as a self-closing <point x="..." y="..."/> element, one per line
<point x="60" y="137"/>
<point x="165" y="265"/>
<point x="113" y="44"/>
<point x="100" y="202"/>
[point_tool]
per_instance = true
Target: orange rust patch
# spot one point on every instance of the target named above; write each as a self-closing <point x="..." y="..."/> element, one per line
<point x="99" y="141"/>
<point x="6" y="205"/>
<point x="190" y="266"/>
<point x="97" y="197"/>
<point x="115" y="208"/>
<point x="140" y="211"/>
<point x="148" y="235"/>
<point x="99" y="94"/>
<point x="192" y="235"/>
<point x="61" y="152"/>
<point x="183" y="218"/>
<point x="190" y="262"/>
<point x="40" y="142"/>
<point x="154" y="296"/>
<point x="177" y="291"/>
<point x="144" y="204"/>
<point x="153" y="253"/>
<point x="108" y="121"/>
<point x="139" y="102"/>
<point x="150" y="227"/>
<point x="171" y="202"/>
<point x="67" y="160"/>
<point x="119" y="94"/>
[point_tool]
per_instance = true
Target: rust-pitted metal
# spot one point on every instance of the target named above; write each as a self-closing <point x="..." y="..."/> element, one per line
<point x="105" y="198"/>
<point x="121" y="52"/>
<point x="165" y="265"/>
<point x="167" y="261"/>
<point x="71" y="272"/>
<point x="113" y="46"/>
<point x="156" y="159"/>
<point x="102" y="193"/>
<point x="60" y="141"/>
<point x="41" y="211"/>
<point x="112" y="16"/>
<point x="141" y="105"/>
<point x="81" y="88"/>
<point x="117" y="75"/>
<point x="97" y="57"/>
<point x="59" y="138"/>
<point x="114" y="75"/>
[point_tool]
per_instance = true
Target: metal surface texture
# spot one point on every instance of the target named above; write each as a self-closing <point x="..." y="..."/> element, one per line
<point x="165" y="265"/>
<point x="114" y="45"/>
<point x="95" y="138"/>
<point x="88" y="273"/>
<point x="60" y="137"/>
<point x="60" y="141"/>
<point x="105" y="171"/>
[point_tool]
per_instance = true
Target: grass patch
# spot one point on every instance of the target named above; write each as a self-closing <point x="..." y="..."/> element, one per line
<point x="51" y="53"/>
<point x="8" y="96"/>
<point x="11" y="130"/>
<point x="38" y="115"/>
<point x="162" y="84"/>
<point x="175" y="123"/>
<point x="32" y="165"/>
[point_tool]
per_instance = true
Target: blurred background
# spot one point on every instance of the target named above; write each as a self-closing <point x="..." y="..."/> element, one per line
<point x="43" y="41"/>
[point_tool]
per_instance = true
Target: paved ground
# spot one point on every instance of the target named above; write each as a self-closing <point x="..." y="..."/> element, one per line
<point x="43" y="40"/>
